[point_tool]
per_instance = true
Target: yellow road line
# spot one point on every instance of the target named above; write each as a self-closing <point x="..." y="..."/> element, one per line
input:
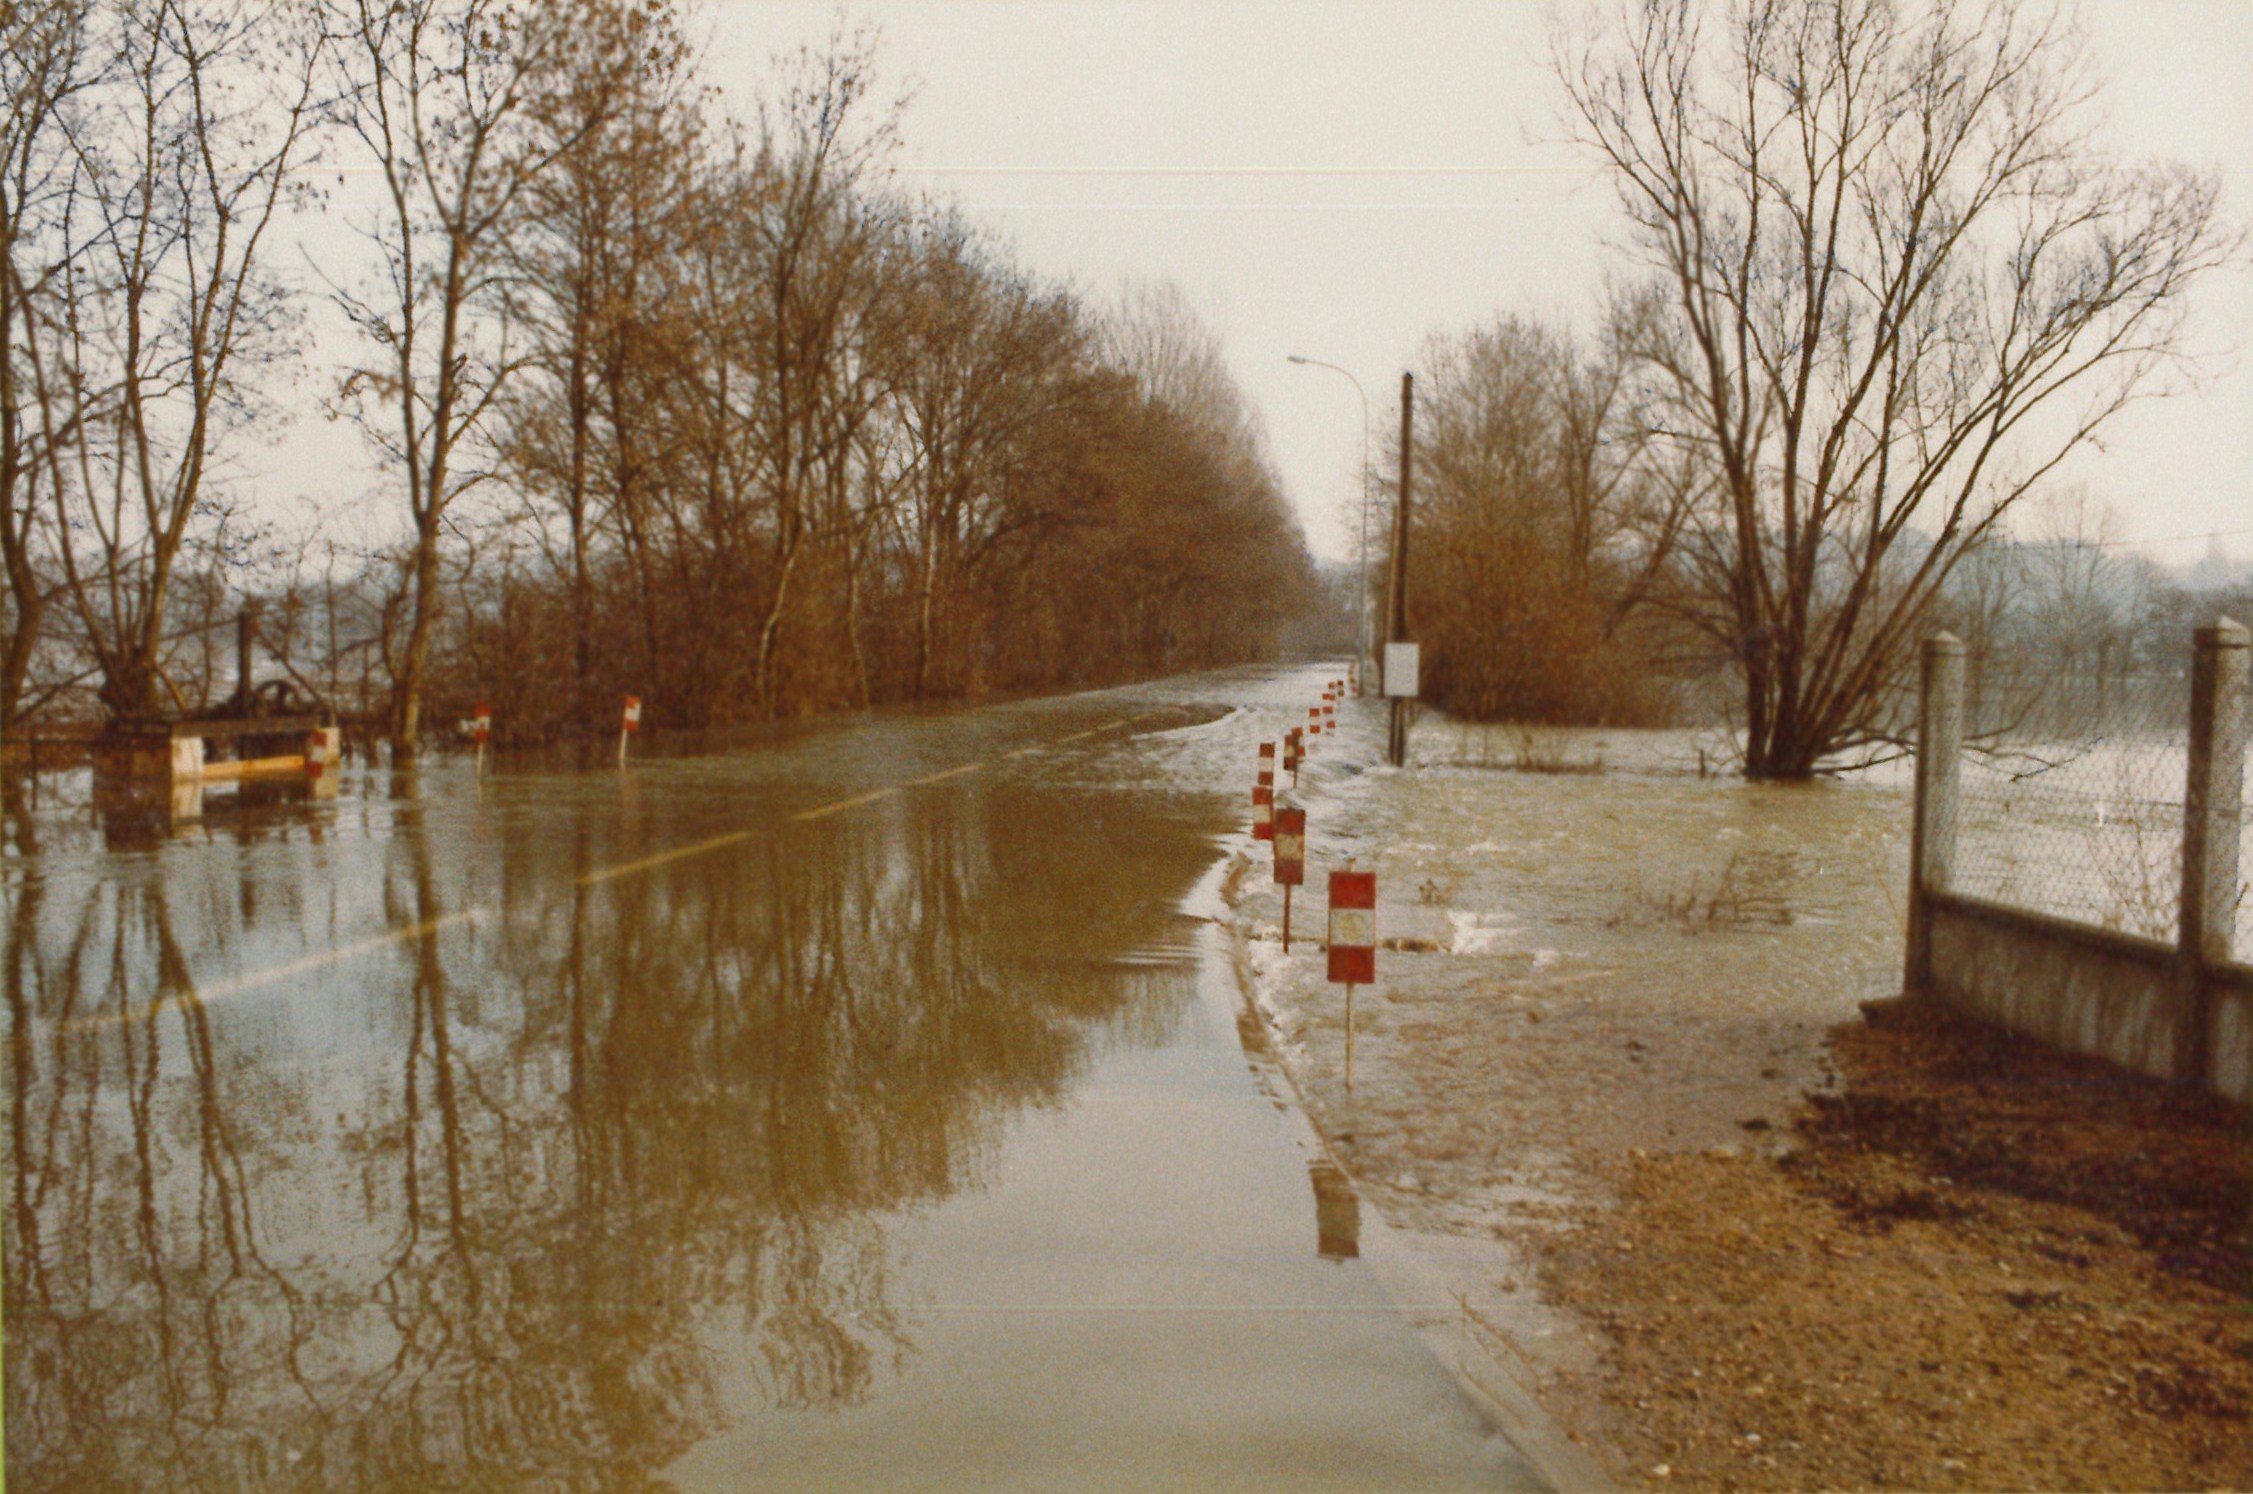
<point x="237" y="985"/>
<point x="844" y="804"/>
<point x="677" y="853"/>
<point x="1081" y="736"/>
<point x="823" y="811"/>
<point x="309" y="963"/>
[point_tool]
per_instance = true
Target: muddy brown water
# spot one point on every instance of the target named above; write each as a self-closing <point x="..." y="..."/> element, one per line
<point x="764" y="1117"/>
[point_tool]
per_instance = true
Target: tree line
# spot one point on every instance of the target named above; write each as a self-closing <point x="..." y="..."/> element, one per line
<point x="664" y="400"/>
<point x="1880" y="279"/>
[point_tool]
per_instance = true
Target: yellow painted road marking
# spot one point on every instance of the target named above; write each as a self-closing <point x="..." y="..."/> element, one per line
<point x="309" y="963"/>
<point x="844" y="804"/>
<point x="630" y="867"/>
<point x="1081" y="736"/>
<point x="221" y="990"/>
<point x="877" y="794"/>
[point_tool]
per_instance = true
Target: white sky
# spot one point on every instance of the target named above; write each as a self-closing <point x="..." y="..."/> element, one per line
<point x="1341" y="179"/>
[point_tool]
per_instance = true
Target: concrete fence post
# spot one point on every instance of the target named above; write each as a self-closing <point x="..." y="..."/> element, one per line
<point x="1932" y="839"/>
<point x="2213" y="813"/>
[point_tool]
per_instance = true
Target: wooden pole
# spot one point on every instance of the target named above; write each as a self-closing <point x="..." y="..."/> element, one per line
<point x="1349" y="1039"/>
<point x="1286" y="918"/>
<point x="1396" y="625"/>
<point x="246" y="629"/>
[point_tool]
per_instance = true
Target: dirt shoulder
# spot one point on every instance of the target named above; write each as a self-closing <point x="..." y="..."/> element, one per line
<point x="1982" y="1266"/>
<point x="1615" y="1088"/>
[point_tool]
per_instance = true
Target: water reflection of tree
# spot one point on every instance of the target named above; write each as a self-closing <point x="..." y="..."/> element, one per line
<point x="134" y="1258"/>
<point x="637" y="1118"/>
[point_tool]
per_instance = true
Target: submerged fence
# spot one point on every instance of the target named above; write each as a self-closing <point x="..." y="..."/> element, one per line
<point x="2078" y="857"/>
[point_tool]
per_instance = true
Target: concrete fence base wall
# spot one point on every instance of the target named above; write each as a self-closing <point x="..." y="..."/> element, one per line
<point x="2083" y="989"/>
<point x="2180" y="1011"/>
<point x="2231" y="997"/>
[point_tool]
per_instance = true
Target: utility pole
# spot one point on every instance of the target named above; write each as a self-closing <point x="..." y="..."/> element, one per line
<point x="1396" y="621"/>
<point x="246" y="632"/>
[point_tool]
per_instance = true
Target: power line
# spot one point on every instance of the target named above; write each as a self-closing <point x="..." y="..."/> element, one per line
<point x="2170" y="539"/>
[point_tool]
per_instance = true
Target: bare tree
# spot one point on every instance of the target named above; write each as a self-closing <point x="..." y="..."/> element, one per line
<point x="2078" y="582"/>
<point x="815" y="245"/>
<point x="43" y="65"/>
<point x="1545" y="524"/>
<point x="988" y="366"/>
<point x="143" y="338"/>
<point x="445" y="97"/>
<point x="1904" y="284"/>
<point x="588" y="250"/>
<point x="1155" y="335"/>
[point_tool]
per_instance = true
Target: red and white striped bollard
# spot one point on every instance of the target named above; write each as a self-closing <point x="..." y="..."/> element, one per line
<point x="1353" y="940"/>
<point x="1290" y="858"/>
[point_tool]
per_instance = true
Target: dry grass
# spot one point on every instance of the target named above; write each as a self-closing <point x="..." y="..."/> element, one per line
<point x="1749" y="892"/>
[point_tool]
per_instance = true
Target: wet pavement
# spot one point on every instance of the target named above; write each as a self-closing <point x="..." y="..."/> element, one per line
<point x="862" y="1106"/>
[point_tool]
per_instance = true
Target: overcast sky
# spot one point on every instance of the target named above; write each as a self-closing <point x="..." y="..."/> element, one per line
<point x="1343" y="179"/>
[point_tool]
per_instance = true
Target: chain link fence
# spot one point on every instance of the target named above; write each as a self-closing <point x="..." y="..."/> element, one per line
<point x="2071" y="798"/>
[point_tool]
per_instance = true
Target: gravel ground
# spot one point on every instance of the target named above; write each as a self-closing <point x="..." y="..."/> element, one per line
<point x="1982" y="1267"/>
<point x="1614" y="1086"/>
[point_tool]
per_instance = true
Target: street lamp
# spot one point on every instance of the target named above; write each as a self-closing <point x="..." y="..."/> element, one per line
<point x="1361" y="634"/>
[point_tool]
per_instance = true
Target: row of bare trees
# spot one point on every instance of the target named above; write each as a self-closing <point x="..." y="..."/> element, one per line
<point x="667" y="401"/>
<point x="1882" y="280"/>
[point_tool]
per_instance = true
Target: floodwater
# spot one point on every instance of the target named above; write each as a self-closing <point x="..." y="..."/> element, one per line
<point x="864" y="1108"/>
<point x="1589" y="948"/>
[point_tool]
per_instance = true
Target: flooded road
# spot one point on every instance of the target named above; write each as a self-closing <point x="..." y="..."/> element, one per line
<point x="864" y="1108"/>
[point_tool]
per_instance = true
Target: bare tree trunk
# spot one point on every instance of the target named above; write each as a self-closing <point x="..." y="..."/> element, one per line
<point x="414" y="660"/>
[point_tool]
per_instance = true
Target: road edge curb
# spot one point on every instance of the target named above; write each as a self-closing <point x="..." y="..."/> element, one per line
<point x="1500" y="1390"/>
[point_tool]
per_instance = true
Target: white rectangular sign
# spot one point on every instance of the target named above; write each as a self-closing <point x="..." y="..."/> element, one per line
<point x="1355" y="926"/>
<point x="1400" y="670"/>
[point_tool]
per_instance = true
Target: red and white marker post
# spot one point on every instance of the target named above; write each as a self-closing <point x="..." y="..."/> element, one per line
<point x="1290" y="858"/>
<point x="1330" y="709"/>
<point x="1314" y="721"/>
<point x="321" y="747"/>
<point x="1263" y="795"/>
<point x="1291" y="755"/>
<point x="481" y="732"/>
<point x="1353" y="940"/>
<point x="628" y="725"/>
